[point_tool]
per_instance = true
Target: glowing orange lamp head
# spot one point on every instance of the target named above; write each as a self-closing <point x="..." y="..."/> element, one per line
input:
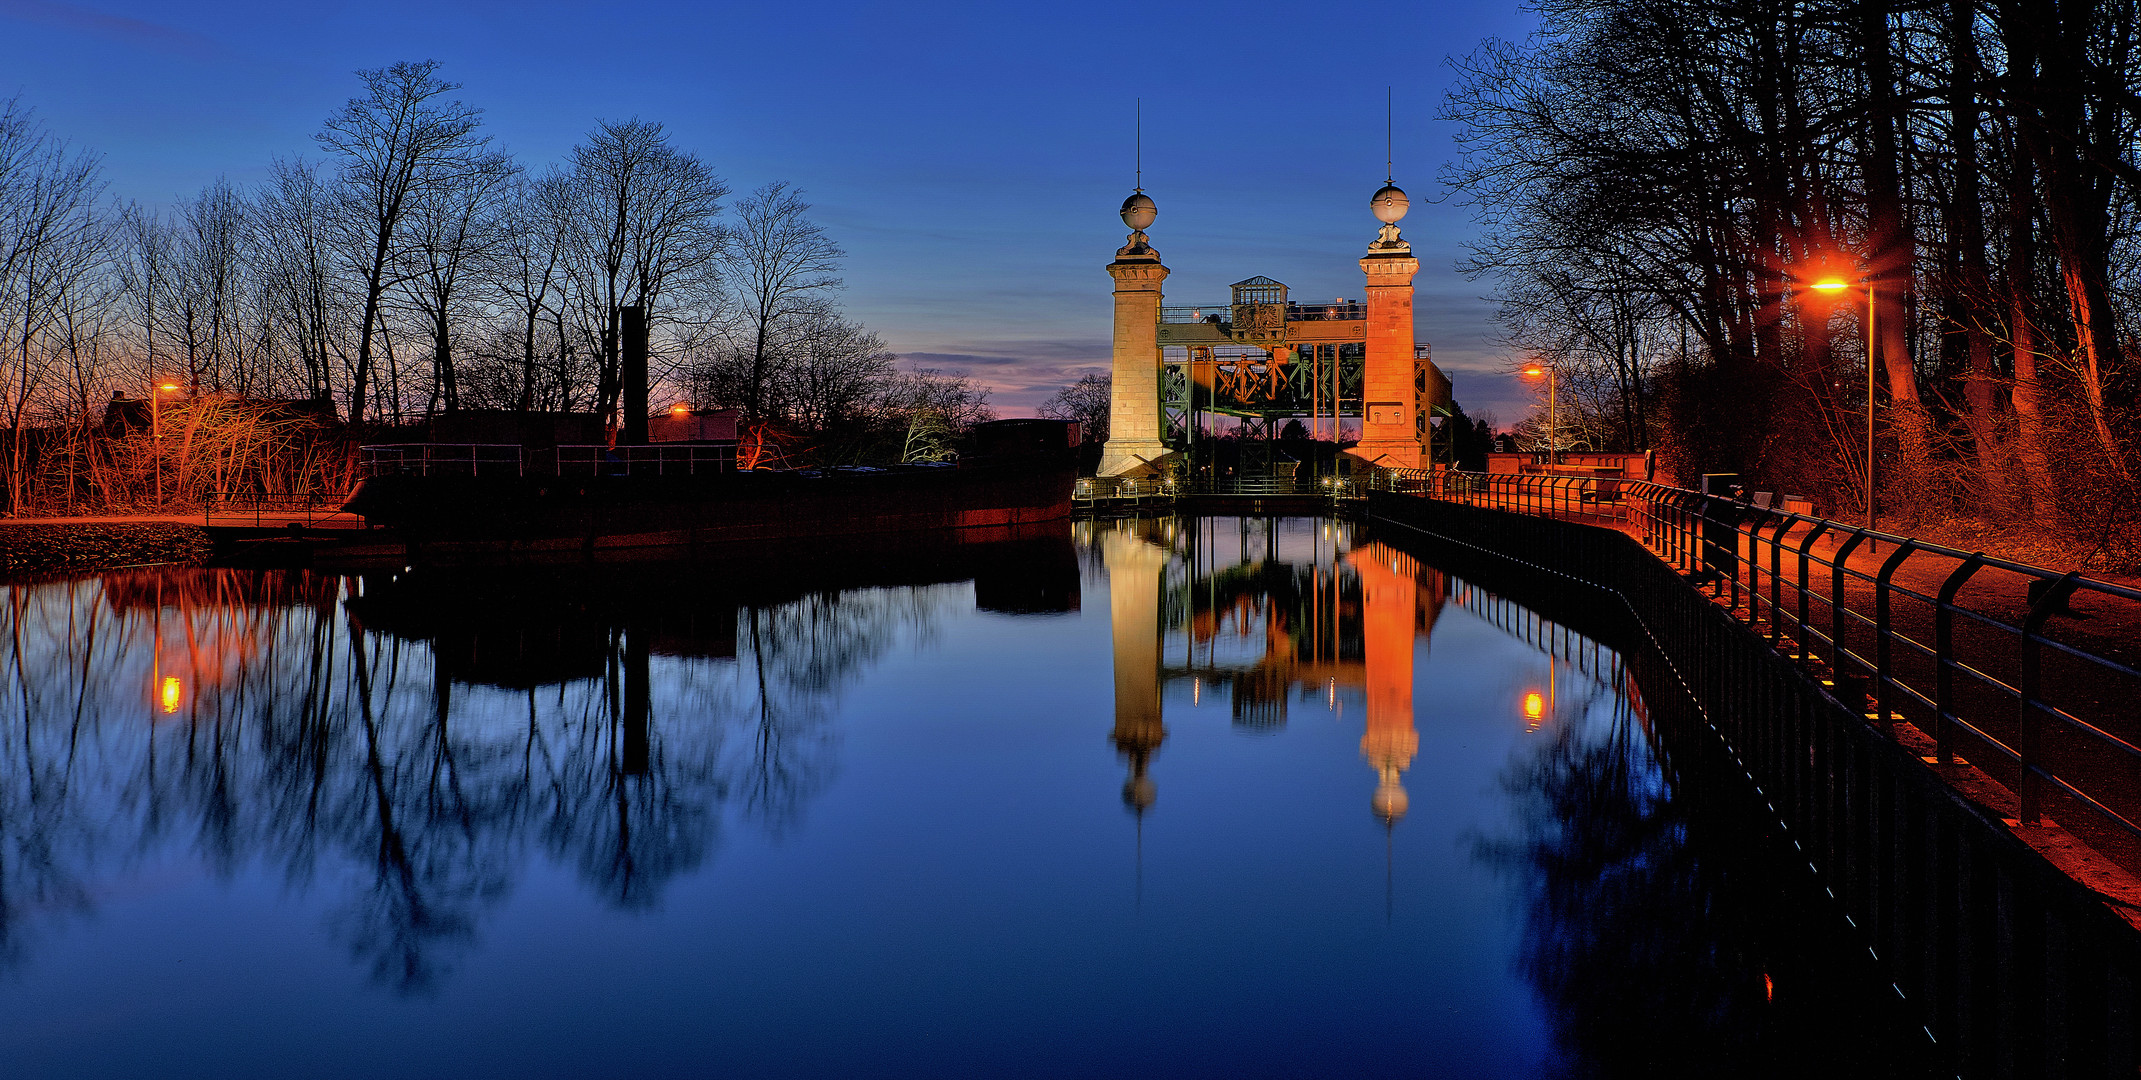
<point x="169" y="388"/>
<point x="679" y="410"/>
<point x="1534" y="708"/>
<point x="1831" y="285"/>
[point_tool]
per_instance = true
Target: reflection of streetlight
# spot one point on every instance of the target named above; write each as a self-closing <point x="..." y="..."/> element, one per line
<point x="1553" y="442"/>
<point x="1538" y="706"/>
<point x="1838" y="285"/>
<point x="171" y="692"/>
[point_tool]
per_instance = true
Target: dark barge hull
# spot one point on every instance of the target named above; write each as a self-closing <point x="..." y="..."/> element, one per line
<point x="455" y="519"/>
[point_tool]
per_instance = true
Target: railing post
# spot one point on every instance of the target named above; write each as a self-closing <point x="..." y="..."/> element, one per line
<point x="1732" y="601"/>
<point x="1806" y="544"/>
<point x="1883" y="632"/>
<point x="1944" y="655"/>
<point x="2027" y="734"/>
<point x="1836" y="605"/>
<point x="1691" y="531"/>
<point x="1667" y="510"/>
<point x="1675" y="535"/>
<point x="1776" y="585"/>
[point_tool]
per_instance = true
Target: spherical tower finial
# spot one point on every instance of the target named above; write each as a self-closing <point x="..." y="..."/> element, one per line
<point x="1390" y="801"/>
<point x="1390" y="204"/>
<point x="1138" y="211"/>
<point x="1139" y="793"/>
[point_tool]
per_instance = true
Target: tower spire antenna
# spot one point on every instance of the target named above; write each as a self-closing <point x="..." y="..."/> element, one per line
<point x="1390" y="129"/>
<point x="1140" y="144"/>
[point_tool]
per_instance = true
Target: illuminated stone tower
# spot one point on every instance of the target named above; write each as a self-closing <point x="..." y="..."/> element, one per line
<point x="1134" y="569"/>
<point x="1388" y="405"/>
<point x="1134" y="436"/>
<point x="1390" y="618"/>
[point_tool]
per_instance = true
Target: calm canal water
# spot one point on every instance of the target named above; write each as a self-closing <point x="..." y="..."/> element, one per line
<point x="1210" y="797"/>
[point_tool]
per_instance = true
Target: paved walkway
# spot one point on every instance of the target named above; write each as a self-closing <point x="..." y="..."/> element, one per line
<point x="105" y="519"/>
<point x="267" y="519"/>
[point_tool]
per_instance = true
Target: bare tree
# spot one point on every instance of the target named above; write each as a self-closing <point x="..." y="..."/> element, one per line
<point x="207" y="288"/>
<point x="292" y="242"/>
<point x="453" y="232"/>
<point x="782" y="267"/>
<point x="528" y="273"/>
<point x="143" y="259"/>
<point x="1085" y="401"/>
<point x="398" y="140"/>
<point x="934" y="408"/>
<point x="51" y="243"/>
<point x="645" y="229"/>
<point x="831" y="368"/>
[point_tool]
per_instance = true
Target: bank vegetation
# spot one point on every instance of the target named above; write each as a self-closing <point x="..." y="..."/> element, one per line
<point x="401" y="268"/>
<point x="1664" y="183"/>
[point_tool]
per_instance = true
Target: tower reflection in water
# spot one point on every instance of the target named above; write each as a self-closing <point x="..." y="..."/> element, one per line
<point x="1224" y="605"/>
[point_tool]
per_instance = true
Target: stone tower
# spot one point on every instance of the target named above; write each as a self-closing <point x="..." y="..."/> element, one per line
<point x="1388" y="400"/>
<point x="1134" y="437"/>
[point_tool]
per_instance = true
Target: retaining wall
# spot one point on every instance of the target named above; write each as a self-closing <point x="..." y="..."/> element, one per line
<point x="2013" y="968"/>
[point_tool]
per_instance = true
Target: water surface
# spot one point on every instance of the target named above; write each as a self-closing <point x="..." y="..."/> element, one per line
<point x="1213" y="797"/>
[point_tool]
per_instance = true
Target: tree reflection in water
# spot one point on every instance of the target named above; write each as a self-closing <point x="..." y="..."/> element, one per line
<point x="1613" y="849"/>
<point x="409" y="740"/>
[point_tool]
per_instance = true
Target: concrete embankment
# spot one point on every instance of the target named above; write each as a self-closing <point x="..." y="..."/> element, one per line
<point x="2013" y="966"/>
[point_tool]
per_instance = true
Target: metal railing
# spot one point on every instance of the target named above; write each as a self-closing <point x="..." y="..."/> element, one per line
<point x="443" y="459"/>
<point x="1096" y="489"/>
<point x="1251" y="485"/>
<point x="1194" y="313"/>
<point x="654" y="459"/>
<point x="1118" y="489"/>
<point x="272" y="507"/>
<point x="1988" y="676"/>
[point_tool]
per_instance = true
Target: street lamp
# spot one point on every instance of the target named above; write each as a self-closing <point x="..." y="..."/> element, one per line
<point x="156" y="435"/>
<point x="1537" y="370"/>
<point x="1838" y="285"/>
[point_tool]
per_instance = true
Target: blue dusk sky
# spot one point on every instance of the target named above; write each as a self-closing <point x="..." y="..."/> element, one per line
<point x="969" y="157"/>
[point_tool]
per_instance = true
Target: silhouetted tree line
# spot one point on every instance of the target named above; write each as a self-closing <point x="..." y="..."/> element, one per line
<point x="1664" y="181"/>
<point x="405" y="268"/>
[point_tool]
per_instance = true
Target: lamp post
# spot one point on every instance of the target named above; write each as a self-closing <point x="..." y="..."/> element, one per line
<point x="156" y="434"/>
<point x="1838" y="285"/>
<point x="1553" y="441"/>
